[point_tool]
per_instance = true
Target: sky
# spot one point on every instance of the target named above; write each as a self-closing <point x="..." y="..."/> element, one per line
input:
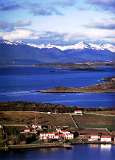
<point x="59" y="22"/>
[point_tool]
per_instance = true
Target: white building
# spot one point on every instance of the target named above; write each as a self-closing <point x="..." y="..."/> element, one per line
<point x="56" y="135"/>
<point x="69" y="136"/>
<point x="94" y="138"/>
<point x="51" y="135"/>
<point x="105" y="139"/>
<point x="78" y="112"/>
<point x="65" y="134"/>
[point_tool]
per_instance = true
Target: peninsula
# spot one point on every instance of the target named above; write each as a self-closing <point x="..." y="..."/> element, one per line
<point x="107" y="86"/>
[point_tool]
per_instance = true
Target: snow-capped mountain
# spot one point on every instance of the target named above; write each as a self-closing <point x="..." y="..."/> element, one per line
<point x="22" y="53"/>
<point x="10" y="42"/>
<point x="80" y="46"/>
<point x="109" y="47"/>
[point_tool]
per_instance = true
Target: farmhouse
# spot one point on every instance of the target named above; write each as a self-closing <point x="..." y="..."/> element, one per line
<point x="105" y="138"/>
<point x="50" y="135"/>
<point x="78" y="112"/>
<point x="59" y="134"/>
<point x="93" y="138"/>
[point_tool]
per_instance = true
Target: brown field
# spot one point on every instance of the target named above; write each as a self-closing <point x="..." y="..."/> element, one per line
<point x="59" y="119"/>
<point x="19" y="117"/>
<point x="95" y="121"/>
<point x="103" y="112"/>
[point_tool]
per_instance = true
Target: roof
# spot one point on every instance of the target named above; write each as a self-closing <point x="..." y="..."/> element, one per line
<point x="105" y="136"/>
<point x="93" y="132"/>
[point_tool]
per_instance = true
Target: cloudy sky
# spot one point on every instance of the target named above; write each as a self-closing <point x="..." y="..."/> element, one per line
<point x="58" y="21"/>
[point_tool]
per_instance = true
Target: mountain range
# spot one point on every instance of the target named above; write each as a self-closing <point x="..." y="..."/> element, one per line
<point x="25" y="53"/>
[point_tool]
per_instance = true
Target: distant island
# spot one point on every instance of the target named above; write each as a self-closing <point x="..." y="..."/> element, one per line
<point x="107" y="86"/>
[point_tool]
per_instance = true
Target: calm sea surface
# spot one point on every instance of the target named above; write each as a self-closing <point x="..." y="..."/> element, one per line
<point x="21" y="84"/>
<point x="79" y="152"/>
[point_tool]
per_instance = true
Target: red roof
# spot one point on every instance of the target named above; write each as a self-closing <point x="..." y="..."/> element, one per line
<point x="105" y="136"/>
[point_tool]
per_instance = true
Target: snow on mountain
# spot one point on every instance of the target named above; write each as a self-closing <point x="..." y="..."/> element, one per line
<point x="78" y="46"/>
<point x="11" y="42"/>
<point x="96" y="46"/>
<point x="109" y="47"/>
<point x="23" y="53"/>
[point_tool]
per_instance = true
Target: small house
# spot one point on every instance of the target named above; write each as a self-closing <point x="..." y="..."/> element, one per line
<point x="50" y="135"/>
<point x="94" y="137"/>
<point x="78" y="112"/>
<point x="105" y="138"/>
<point x="65" y="134"/>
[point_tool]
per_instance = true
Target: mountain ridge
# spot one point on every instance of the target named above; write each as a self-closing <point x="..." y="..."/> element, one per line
<point x="22" y="53"/>
<point x="80" y="45"/>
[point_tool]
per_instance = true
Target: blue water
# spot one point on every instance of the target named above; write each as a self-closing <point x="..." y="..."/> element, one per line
<point x="21" y="83"/>
<point x="79" y="152"/>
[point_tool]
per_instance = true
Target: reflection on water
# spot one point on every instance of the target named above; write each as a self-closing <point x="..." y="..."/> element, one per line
<point x="94" y="145"/>
<point x="101" y="146"/>
<point x="106" y="146"/>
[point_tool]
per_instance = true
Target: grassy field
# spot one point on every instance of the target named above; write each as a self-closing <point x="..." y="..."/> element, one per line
<point x="87" y="120"/>
<point x="96" y="121"/>
<point x="19" y="117"/>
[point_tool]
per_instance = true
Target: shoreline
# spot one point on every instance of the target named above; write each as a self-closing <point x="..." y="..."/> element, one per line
<point x="49" y="146"/>
<point x="33" y="146"/>
<point x="67" y="92"/>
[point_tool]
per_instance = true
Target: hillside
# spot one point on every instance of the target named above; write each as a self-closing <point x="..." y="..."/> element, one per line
<point x="87" y="120"/>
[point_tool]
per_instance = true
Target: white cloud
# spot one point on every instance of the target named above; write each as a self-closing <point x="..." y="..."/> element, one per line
<point x="91" y="35"/>
<point x="17" y="34"/>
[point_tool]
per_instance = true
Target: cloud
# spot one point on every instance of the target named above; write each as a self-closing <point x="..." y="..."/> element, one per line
<point x="106" y="24"/>
<point x="65" y="3"/>
<point x="17" y="34"/>
<point x="8" y="26"/>
<point x="51" y="7"/>
<point x="89" y="35"/>
<point x="56" y="38"/>
<point x="105" y="4"/>
<point x="50" y="37"/>
<point x="34" y="8"/>
<point x="32" y="36"/>
<point x="43" y="10"/>
<point x="7" y="5"/>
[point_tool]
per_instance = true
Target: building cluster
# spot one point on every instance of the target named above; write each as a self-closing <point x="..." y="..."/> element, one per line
<point x="97" y="135"/>
<point x="46" y="134"/>
<point x="33" y="129"/>
<point x="57" y="135"/>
